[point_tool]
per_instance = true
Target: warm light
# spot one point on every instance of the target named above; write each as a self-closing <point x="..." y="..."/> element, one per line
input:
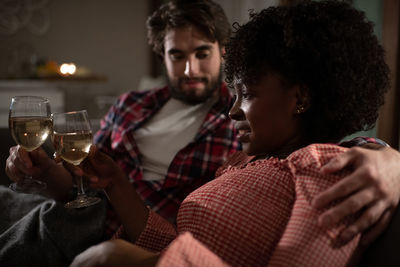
<point x="67" y="69"/>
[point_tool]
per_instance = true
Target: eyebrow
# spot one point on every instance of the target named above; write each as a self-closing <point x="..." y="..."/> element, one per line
<point x="237" y="83"/>
<point x="234" y="84"/>
<point x="199" y="48"/>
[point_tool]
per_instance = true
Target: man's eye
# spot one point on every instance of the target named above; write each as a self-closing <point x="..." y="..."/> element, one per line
<point x="176" y="56"/>
<point x="202" y="55"/>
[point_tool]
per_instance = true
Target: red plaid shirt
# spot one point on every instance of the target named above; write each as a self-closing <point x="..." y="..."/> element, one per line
<point x="255" y="214"/>
<point x="193" y="166"/>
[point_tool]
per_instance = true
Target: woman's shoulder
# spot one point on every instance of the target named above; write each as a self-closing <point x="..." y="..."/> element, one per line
<point x="312" y="156"/>
<point x="315" y="155"/>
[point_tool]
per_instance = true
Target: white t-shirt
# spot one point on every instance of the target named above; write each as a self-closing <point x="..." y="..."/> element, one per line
<point x="168" y="131"/>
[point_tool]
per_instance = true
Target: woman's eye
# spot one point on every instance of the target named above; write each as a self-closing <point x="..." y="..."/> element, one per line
<point x="246" y="95"/>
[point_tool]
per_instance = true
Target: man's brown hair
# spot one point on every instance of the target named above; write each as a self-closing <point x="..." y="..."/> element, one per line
<point x="207" y="16"/>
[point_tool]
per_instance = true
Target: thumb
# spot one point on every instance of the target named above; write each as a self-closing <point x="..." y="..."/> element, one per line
<point x="96" y="157"/>
<point x="92" y="151"/>
<point x="38" y="156"/>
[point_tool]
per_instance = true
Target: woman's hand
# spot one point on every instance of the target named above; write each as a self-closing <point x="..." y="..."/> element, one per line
<point x="115" y="253"/>
<point x="102" y="172"/>
<point x="99" y="170"/>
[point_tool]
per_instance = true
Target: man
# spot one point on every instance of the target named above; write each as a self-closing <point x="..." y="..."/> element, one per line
<point x="171" y="140"/>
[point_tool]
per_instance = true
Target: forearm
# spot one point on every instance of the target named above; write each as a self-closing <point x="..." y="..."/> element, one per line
<point x="127" y="204"/>
<point x="373" y="146"/>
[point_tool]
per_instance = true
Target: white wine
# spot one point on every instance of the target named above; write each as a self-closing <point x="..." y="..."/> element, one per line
<point x="72" y="147"/>
<point x="30" y="132"/>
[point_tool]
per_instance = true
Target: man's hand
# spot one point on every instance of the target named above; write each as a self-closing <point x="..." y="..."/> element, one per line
<point x="115" y="253"/>
<point x="373" y="186"/>
<point x="37" y="164"/>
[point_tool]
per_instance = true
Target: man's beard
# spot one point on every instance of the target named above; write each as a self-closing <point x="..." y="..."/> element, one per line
<point x="190" y="97"/>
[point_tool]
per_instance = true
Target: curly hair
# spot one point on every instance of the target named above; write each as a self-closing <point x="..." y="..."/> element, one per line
<point x="330" y="48"/>
<point x="207" y="16"/>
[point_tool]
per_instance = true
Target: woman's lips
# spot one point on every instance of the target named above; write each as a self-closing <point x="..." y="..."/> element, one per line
<point x="243" y="135"/>
<point x="243" y="131"/>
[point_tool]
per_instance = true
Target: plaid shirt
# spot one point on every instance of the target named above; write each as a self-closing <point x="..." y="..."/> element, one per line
<point x="362" y="140"/>
<point x="256" y="213"/>
<point x="193" y="166"/>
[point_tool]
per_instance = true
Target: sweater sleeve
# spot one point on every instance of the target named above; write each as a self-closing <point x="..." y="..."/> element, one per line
<point x="303" y="242"/>
<point x="186" y="251"/>
<point x="157" y="234"/>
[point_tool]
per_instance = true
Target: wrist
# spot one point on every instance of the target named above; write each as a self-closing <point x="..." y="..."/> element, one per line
<point x="116" y="184"/>
<point x="59" y="188"/>
<point x="151" y="261"/>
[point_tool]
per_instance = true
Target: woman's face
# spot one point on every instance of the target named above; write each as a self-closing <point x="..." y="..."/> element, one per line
<point x="265" y="115"/>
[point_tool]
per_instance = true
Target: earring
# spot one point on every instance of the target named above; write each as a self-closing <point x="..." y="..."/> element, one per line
<point x="300" y="109"/>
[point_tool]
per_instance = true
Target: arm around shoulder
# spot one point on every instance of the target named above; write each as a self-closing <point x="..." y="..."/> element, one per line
<point x="304" y="242"/>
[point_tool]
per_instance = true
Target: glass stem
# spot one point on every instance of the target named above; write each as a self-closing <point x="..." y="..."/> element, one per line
<point x="27" y="179"/>
<point x="81" y="191"/>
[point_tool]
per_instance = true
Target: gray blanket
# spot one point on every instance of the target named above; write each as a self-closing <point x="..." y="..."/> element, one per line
<point x="36" y="231"/>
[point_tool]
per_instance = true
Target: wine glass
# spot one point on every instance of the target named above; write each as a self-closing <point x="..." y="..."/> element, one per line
<point x="30" y="123"/>
<point x="72" y="137"/>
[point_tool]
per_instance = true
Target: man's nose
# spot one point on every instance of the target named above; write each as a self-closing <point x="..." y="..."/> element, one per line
<point x="192" y="67"/>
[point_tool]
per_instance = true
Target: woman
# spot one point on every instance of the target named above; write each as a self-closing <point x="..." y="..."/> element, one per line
<point x="302" y="75"/>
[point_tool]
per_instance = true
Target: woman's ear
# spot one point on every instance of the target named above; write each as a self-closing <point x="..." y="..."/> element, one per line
<point x="303" y="102"/>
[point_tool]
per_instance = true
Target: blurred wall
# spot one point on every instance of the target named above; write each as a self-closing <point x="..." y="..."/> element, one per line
<point x="108" y="37"/>
<point x="238" y="10"/>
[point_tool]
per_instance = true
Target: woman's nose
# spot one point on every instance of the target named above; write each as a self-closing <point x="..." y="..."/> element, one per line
<point x="236" y="113"/>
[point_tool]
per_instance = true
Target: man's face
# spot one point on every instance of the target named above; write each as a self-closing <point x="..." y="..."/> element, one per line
<point x="193" y="65"/>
